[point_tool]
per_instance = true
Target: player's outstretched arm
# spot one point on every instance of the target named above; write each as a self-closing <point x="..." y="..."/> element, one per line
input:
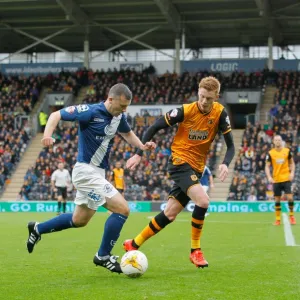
<point x="52" y="122"/>
<point x="133" y="140"/>
<point x="223" y="168"/>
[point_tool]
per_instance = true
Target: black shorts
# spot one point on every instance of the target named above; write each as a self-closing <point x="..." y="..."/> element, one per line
<point x="286" y="187"/>
<point x="184" y="177"/>
<point x="62" y="191"/>
<point x="121" y="191"/>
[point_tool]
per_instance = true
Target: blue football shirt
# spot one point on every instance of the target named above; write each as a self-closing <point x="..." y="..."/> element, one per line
<point x="97" y="129"/>
<point x="205" y="176"/>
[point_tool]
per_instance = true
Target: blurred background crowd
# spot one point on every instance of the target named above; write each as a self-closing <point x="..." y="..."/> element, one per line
<point x="150" y="181"/>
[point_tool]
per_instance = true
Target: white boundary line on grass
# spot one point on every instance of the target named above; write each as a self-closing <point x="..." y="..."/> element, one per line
<point x="288" y="234"/>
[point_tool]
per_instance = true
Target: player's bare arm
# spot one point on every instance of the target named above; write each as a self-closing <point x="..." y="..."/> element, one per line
<point x="52" y="122"/>
<point x="133" y="140"/>
<point x="292" y="168"/>
<point x="268" y="172"/>
<point x="267" y="169"/>
<point x="53" y="185"/>
<point x="211" y="181"/>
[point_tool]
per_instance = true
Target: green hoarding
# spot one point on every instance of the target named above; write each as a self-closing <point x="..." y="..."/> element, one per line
<point x="234" y="206"/>
<point x="51" y="206"/>
<point x="144" y="206"/>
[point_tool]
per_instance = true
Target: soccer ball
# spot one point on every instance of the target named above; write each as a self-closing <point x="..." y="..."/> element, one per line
<point x="134" y="263"/>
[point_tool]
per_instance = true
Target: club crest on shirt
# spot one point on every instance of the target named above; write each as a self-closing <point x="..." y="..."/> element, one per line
<point x="70" y="109"/>
<point x="82" y="108"/>
<point x="194" y="177"/>
<point x="210" y="122"/>
<point x="108" y="188"/>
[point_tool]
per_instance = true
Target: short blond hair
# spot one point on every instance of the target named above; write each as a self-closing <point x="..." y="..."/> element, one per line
<point x="211" y="84"/>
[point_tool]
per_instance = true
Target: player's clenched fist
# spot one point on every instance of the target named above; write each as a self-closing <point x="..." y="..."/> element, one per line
<point x="149" y="146"/>
<point x="48" y="141"/>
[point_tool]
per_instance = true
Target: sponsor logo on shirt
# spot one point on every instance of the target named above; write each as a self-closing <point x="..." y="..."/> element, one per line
<point x="279" y="161"/>
<point x="198" y="135"/>
<point x="98" y="120"/>
<point x="100" y="137"/>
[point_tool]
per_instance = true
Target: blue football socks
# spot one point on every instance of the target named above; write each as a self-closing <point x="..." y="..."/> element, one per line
<point x="58" y="223"/>
<point x="112" y="229"/>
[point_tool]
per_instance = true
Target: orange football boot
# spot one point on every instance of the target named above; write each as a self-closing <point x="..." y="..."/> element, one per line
<point x="197" y="258"/>
<point x="292" y="220"/>
<point x="127" y="246"/>
<point x="276" y="223"/>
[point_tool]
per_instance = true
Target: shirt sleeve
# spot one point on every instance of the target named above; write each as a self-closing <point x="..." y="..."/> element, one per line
<point x="174" y="116"/>
<point x="81" y="113"/>
<point x="224" y="123"/>
<point x="53" y="176"/>
<point x="208" y="171"/>
<point x="69" y="177"/>
<point x="290" y="156"/>
<point x="268" y="158"/>
<point x="124" y="126"/>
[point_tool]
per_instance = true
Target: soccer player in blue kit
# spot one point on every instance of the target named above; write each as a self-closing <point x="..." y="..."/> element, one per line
<point x="98" y="124"/>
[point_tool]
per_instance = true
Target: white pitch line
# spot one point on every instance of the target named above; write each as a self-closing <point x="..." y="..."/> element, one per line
<point x="288" y="234"/>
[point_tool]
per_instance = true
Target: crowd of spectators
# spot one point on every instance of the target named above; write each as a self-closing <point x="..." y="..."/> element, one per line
<point x="37" y="181"/>
<point x="18" y="95"/>
<point x="249" y="181"/>
<point x="167" y="88"/>
<point x="149" y="181"/>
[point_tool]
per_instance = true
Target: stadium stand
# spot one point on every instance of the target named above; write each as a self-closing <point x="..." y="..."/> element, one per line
<point x="37" y="181"/>
<point x="249" y="182"/>
<point x="165" y="89"/>
<point x="150" y="181"/>
<point x="18" y="95"/>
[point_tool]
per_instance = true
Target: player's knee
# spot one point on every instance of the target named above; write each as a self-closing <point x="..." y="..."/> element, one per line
<point x="79" y="222"/>
<point x="203" y="201"/>
<point x="123" y="209"/>
<point x="171" y="214"/>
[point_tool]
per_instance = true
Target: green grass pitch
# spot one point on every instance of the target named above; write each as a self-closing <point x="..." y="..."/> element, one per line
<point x="248" y="259"/>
